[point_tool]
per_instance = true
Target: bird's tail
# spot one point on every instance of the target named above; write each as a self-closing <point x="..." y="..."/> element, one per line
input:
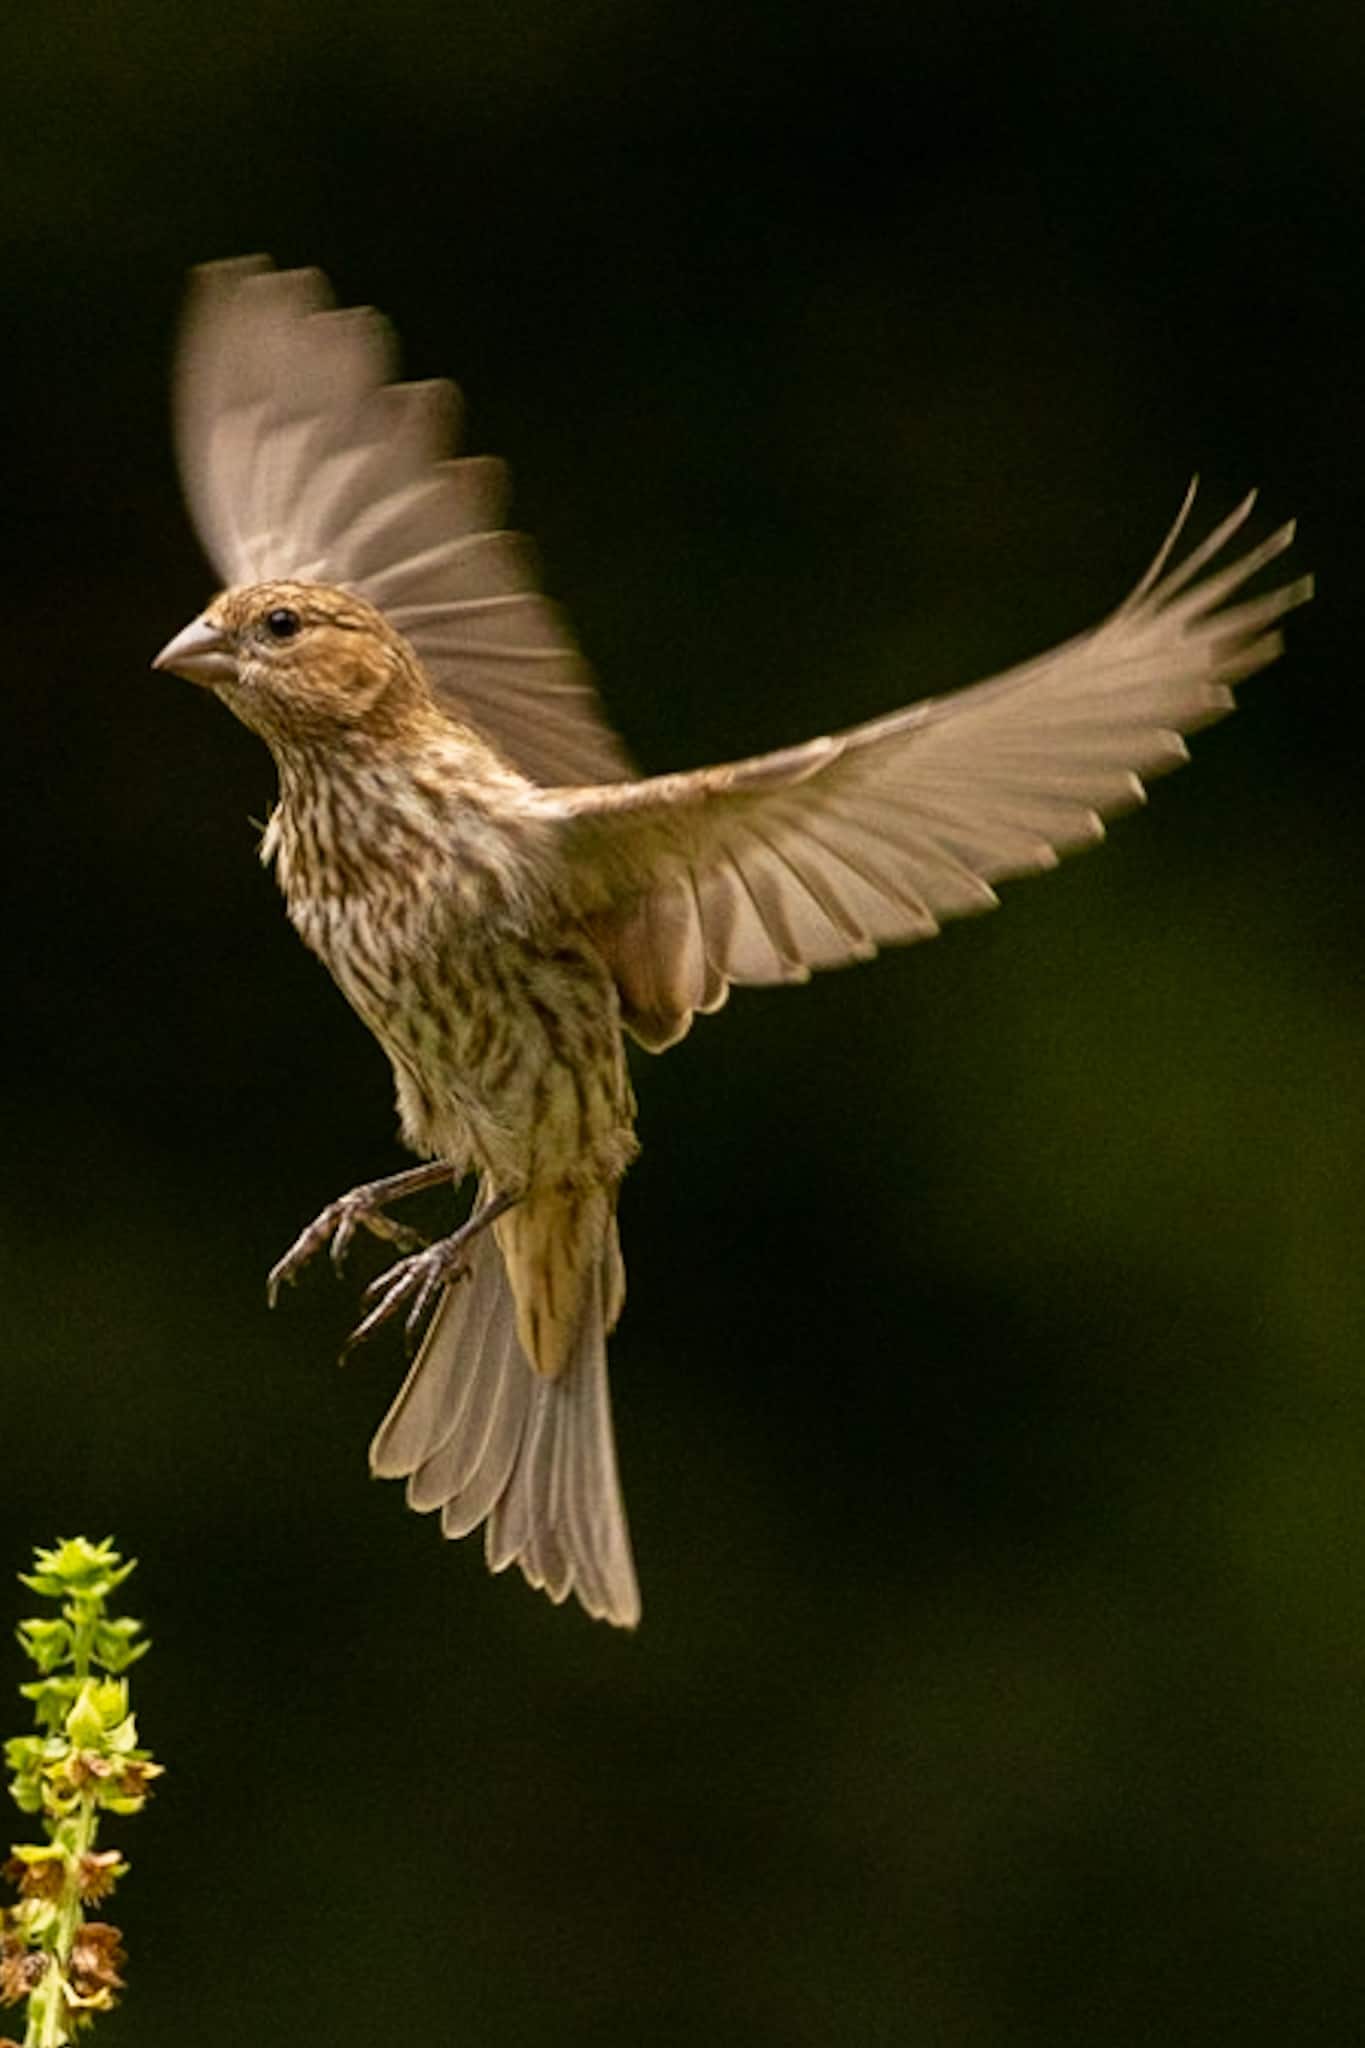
<point x="478" y="1432"/>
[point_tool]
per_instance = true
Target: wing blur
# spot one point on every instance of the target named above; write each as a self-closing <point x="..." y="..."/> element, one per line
<point x="302" y="460"/>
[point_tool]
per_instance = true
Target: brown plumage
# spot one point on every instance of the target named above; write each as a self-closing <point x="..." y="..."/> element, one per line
<point x="458" y="837"/>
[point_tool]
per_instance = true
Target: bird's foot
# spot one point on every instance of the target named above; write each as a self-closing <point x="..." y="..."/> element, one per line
<point x="419" y="1279"/>
<point x="363" y="1208"/>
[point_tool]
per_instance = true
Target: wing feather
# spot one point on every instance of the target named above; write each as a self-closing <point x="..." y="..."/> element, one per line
<point x="815" y="855"/>
<point x="302" y="460"/>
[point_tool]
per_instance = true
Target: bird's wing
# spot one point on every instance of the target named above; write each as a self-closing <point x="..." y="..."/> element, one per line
<point x="302" y="460"/>
<point x="763" y="869"/>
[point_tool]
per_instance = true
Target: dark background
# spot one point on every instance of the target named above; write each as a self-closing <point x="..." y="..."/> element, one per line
<point x="989" y="1400"/>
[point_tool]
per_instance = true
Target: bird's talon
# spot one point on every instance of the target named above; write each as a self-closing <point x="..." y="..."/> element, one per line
<point x="337" y="1224"/>
<point x="381" y="1284"/>
<point x="429" y="1288"/>
<point x="417" y="1280"/>
<point x="402" y="1234"/>
<point x="283" y="1272"/>
<point x="367" y="1326"/>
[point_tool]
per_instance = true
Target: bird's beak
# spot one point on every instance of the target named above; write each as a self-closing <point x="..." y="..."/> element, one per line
<point x="201" y="654"/>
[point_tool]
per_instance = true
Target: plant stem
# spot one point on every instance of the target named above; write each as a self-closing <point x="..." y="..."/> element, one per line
<point x="79" y="1840"/>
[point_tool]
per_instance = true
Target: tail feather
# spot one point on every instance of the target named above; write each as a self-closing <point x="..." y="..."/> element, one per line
<point x="480" y="1434"/>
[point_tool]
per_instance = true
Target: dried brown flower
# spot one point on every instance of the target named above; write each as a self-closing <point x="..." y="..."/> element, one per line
<point x="20" y="1970"/>
<point x="135" y="1779"/>
<point x="37" y="1877"/>
<point x="97" y="1956"/>
<point x="97" y="1872"/>
<point x="85" y="1766"/>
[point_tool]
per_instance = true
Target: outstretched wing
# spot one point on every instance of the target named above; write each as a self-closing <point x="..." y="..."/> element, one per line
<point x="763" y="869"/>
<point x="302" y="460"/>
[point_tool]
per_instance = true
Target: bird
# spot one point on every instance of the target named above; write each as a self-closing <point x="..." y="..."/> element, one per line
<point x="462" y="839"/>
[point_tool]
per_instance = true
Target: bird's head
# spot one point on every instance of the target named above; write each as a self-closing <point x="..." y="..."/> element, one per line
<point x="302" y="664"/>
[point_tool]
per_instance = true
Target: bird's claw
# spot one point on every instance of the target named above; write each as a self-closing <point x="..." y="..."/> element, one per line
<point x="379" y="1225"/>
<point x="338" y="1222"/>
<point x="417" y="1279"/>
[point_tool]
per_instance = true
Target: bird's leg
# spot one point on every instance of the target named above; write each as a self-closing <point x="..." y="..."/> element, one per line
<point x="420" y="1278"/>
<point x="363" y="1206"/>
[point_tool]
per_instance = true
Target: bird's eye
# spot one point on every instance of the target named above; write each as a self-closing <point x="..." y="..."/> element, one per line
<point x="282" y="623"/>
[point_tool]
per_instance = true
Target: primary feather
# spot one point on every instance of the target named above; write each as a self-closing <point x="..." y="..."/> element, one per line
<point x="302" y="461"/>
<point x="815" y="856"/>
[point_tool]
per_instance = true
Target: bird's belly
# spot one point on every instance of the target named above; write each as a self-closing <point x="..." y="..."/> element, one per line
<point x="507" y="1057"/>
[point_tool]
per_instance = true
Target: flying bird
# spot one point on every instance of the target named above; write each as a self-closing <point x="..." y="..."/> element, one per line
<point x="461" y="838"/>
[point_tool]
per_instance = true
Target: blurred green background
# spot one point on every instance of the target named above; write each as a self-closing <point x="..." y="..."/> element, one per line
<point x="990" y="1397"/>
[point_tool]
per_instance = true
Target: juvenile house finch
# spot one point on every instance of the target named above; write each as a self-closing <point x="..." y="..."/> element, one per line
<point x="459" y="838"/>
